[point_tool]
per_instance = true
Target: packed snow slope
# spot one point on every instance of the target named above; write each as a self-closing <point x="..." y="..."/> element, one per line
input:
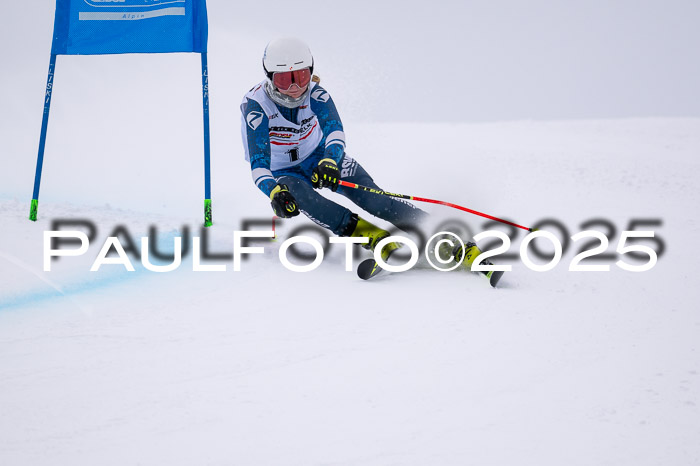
<point x="266" y="366"/>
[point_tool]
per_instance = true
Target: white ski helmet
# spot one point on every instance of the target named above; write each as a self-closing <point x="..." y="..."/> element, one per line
<point x="287" y="54"/>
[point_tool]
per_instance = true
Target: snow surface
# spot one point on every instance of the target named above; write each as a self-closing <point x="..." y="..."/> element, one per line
<point x="268" y="367"/>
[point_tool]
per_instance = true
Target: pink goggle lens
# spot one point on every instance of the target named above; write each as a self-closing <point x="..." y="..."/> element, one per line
<point x="285" y="79"/>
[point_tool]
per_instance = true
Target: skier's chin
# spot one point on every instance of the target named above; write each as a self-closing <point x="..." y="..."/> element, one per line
<point x="296" y="93"/>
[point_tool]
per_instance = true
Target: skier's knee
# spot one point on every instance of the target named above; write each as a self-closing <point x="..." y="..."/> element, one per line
<point x="295" y="185"/>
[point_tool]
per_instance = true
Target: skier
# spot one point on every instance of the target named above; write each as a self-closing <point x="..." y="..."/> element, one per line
<point x="294" y="141"/>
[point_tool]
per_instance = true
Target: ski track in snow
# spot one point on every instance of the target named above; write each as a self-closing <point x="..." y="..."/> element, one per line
<point x="267" y="367"/>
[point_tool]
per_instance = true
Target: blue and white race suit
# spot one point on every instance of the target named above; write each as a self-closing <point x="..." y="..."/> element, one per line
<point x="284" y="145"/>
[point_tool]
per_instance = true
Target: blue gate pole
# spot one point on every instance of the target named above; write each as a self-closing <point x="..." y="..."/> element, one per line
<point x="207" y="174"/>
<point x="42" y="139"/>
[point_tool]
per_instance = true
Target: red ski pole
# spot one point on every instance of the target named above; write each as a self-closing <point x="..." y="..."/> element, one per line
<point x="432" y="201"/>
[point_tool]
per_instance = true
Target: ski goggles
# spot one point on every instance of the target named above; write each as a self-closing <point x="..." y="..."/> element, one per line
<point x="284" y="80"/>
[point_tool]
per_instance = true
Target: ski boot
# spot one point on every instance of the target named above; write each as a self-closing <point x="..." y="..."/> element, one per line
<point x="375" y="234"/>
<point x="467" y="255"/>
<point x="363" y="229"/>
